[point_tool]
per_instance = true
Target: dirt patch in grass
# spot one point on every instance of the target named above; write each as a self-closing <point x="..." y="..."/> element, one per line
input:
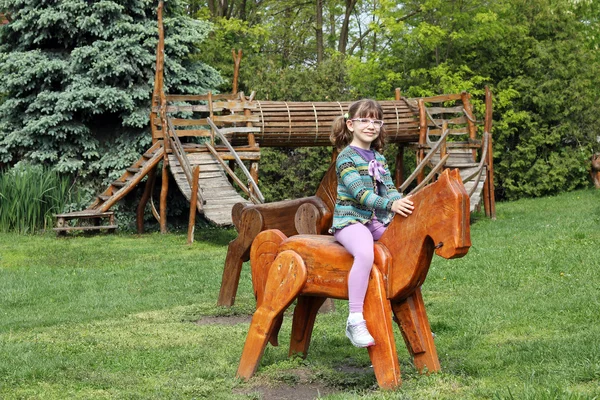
<point x="302" y="388"/>
<point x="309" y="391"/>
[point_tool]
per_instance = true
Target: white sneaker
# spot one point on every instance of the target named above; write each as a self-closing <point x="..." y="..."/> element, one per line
<point x="359" y="334"/>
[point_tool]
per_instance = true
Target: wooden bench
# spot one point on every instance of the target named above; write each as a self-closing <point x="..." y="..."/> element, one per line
<point x="94" y="218"/>
<point x="305" y="215"/>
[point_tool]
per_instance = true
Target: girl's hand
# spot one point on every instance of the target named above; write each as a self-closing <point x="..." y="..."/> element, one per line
<point x="403" y="206"/>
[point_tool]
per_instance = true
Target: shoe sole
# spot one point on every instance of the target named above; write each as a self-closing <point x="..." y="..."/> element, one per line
<point x="359" y="345"/>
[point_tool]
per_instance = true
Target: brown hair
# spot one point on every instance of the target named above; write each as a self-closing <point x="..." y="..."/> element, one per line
<point x="341" y="136"/>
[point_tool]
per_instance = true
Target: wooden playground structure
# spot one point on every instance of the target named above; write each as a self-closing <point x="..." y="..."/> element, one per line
<point x="202" y="139"/>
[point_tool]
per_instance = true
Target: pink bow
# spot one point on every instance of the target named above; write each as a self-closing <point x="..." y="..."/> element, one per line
<point x="376" y="170"/>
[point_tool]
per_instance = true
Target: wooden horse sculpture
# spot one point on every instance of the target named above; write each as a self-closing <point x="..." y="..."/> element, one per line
<point x="312" y="268"/>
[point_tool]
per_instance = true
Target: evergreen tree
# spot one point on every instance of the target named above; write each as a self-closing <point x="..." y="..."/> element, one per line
<point x="77" y="78"/>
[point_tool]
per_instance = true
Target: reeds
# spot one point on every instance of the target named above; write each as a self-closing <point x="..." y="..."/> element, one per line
<point x="29" y="195"/>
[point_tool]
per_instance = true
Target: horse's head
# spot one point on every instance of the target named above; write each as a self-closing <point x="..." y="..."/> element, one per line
<point x="440" y="222"/>
<point x="442" y="215"/>
<point x="450" y="229"/>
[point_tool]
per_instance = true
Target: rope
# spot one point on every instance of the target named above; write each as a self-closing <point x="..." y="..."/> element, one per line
<point x="468" y="116"/>
<point x="397" y="121"/>
<point x="262" y="120"/>
<point x="316" y="123"/>
<point x="431" y="118"/>
<point x="289" y="120"/>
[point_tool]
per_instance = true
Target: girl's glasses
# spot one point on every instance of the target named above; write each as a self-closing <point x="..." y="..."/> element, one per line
<point x="377" y="123"/>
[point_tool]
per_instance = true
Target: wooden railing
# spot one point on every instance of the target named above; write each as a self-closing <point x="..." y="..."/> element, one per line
<point x="255" y="194"/>
<point x="178" y="150"/>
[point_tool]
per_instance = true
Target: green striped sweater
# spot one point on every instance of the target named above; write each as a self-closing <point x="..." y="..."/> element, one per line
<point x="356" y="191"/>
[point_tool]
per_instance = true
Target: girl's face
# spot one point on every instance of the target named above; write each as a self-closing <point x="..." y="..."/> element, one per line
<point x="364" y="131"/>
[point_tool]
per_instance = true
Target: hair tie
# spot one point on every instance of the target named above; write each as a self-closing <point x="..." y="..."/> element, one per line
<point x="346" y="116"/>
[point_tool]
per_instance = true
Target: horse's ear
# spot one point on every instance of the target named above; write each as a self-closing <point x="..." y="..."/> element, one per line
<point x="445" y="175"/>
<point x="454" y="173"/>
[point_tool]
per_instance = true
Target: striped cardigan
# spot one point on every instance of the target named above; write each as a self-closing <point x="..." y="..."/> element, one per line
<point x="356" y="197"/>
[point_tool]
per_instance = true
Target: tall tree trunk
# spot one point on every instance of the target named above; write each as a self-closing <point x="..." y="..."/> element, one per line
<point x="345" y="26"/>
<point x="218" y="8"/>
<point x="319" y="30"/>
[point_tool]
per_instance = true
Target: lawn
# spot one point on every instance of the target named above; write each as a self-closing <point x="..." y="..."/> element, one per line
<point x="135" y="317"/>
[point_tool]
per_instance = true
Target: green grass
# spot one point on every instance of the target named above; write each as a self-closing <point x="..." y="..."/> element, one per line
<point x="113" y="317"/>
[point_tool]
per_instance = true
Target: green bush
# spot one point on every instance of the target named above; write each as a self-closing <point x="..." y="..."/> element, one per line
<point x="29" y="195"/>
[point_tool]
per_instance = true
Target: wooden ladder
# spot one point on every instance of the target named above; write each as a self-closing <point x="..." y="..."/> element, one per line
<point x="98" y="210"/>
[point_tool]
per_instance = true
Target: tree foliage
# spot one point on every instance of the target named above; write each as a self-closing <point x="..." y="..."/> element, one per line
<point x="77" y="79"/>
<point x="538" y="57"/>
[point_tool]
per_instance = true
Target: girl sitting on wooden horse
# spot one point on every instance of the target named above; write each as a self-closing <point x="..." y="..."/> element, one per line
<point x="367" y="200"/>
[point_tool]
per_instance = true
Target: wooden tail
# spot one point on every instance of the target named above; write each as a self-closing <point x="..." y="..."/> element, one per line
<point x="263" y="252"/>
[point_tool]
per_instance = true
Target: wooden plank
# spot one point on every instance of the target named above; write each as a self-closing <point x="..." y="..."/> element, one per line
<point x="200" y="97"/>
<point x="445" y="110"/>
<point x="441" y="98"/>
<point x="85" y="228"/>
<point x="84" y="214"/>
<point x="235" y="118"/>
<point x="454" y="131"/>
<point x="188" y="122"/>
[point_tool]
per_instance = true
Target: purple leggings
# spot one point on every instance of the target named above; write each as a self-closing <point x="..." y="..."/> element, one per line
<point x="358" y="240"/>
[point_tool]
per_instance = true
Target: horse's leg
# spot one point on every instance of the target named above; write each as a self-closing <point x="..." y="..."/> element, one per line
<point x="414" y="324"/>
<point x="303" y="323"/>
<point x="237" y="252"/>
<point x="286" y="278"/>
<point x="378" y="314"/>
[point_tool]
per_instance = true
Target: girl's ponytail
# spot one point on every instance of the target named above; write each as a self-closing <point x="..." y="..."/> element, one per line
<point x="340" y="134"/>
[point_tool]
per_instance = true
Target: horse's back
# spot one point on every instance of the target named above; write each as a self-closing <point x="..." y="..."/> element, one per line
<point x="327" y="262"/>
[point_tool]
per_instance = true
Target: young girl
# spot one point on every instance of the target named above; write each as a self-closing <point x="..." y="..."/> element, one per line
<point x="366" y="202"/>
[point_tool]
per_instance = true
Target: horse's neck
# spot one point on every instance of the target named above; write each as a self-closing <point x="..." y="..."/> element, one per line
<point x="405" y="236"/>
<point x="407" y="240"/>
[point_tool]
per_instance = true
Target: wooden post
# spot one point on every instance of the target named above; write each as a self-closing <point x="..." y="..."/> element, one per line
<point x="144" y="200"/>
<point x="159" y="74"/>
<point x="466" y="100"/>
<point x="193" y="201"/>
<point x="443" y="149"/>
<point x="236" y="69"/>
<point x="253" y="175"/>
<point x="422" y="137"/>
<point x="399" y="175"/>
<point x="210" y="112"/>
<point x="490" y="211"/>
<point x="164" y="189"/>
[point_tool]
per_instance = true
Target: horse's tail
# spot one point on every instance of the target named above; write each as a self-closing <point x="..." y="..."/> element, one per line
<point x="262" y="254"/>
